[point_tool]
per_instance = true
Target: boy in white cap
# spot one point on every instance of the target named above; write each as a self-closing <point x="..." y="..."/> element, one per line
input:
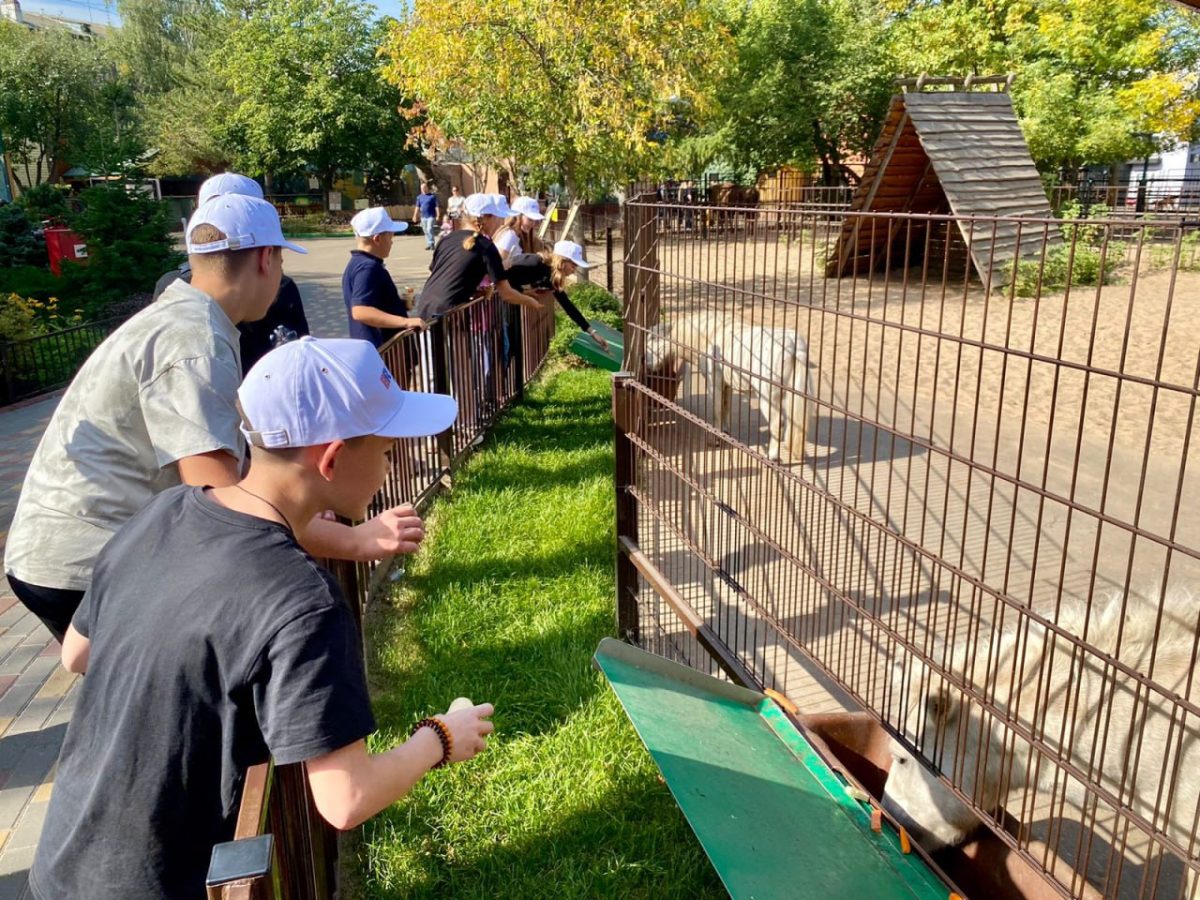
<point x="285" y="319"/>
<point x="373" y="304"/>
<point x="244" y="648"/>
<point x="155" y="406"/>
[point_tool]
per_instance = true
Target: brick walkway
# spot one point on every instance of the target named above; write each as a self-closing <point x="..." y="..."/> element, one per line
<point x="36" y="694"/>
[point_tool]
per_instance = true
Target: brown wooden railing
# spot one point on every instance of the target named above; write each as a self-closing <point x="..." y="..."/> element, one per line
<point x="462" y="354"/>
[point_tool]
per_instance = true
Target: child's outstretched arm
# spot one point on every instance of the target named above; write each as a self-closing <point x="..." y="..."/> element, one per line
<point x="350" y="785"/>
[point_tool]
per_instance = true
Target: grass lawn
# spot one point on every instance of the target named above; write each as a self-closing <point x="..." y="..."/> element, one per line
<point x="506" y="603"/>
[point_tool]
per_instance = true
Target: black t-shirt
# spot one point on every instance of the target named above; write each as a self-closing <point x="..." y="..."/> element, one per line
<point x="285" y="320"/>
<point x="455" y="273"/>
<point x="366" y="282"/>
<point x="528" y="270"/>
<point x="216" y="642"/>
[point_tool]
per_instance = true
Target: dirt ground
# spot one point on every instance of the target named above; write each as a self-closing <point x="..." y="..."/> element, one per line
<point x="973" y="457"/>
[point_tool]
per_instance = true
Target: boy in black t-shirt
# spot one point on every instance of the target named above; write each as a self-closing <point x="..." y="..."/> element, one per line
<point x="212" y="641"/>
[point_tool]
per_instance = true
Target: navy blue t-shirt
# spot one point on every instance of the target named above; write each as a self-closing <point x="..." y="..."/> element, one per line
<point x="428" y="205"/>
<point x="366" y="282"/>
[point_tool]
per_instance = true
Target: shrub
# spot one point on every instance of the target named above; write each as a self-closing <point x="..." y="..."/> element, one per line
<point x="1062" y="269"/>
<point x="595" y="303"/>
<point x="26" y="317"/>
<point x="19" y="244"/>
<point x="45" y="203"/>
<point x="129" y="246"/>
<point x="29" y="281"/>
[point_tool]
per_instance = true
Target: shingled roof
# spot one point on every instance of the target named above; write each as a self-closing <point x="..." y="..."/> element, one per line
<point x="959" y="152"/>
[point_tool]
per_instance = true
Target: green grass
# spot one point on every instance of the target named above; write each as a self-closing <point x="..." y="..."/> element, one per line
<point x="506" y="603"/>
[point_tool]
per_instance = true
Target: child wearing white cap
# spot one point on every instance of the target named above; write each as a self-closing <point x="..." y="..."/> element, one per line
<point x="464" y="258"/>
<point x="207" y="610"/>
<point x="285" y="319"/>
<point x="547" y="273"/>
<point x="519" y="234"/>
<point x="373" y="304"/>
<point x="155" y="406"/>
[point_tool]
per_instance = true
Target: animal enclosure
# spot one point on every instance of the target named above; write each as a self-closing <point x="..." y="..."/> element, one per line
<point x="989" y="540"/>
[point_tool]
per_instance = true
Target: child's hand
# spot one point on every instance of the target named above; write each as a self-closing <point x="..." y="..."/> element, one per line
<point x="469" y="728"/>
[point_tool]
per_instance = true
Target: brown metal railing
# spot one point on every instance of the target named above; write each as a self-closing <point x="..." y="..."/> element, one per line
<point x="985" y="538"/>
<point x="462" y="354"/>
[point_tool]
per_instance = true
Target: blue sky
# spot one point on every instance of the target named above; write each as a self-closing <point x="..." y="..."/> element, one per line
<point x="102" y="13"/>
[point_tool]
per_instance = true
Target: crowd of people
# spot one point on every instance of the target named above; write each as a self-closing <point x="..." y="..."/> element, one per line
<point x="170" y="520"/>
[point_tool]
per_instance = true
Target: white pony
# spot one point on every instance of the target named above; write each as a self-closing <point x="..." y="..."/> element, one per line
<point x="733" y="355"/>
<point x="1068" y="700"/>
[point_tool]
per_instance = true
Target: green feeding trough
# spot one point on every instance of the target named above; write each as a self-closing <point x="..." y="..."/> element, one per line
<point x="583" y="346"/>
<point x="773" y="817"/>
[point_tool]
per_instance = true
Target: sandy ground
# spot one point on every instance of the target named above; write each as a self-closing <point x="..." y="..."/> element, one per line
<point x="973" y="456"/>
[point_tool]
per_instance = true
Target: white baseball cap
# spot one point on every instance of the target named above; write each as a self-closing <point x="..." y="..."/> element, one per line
<point x="573" y="252"/>
<point x="229" y="183"/>
<point x="310" y="392"/>
<point x="486" y="205"/>
<point x="528" y="207"/>
<point x="503" y="210"/>
<point x="246" y="222"/>
<point x="375" y="220"/>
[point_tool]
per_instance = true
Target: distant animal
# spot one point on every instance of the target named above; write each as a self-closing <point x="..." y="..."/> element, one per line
<point x="1089" y="714"/>
<point x="734" y="355"/>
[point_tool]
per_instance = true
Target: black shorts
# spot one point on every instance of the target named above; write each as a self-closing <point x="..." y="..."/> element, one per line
<point x="54" y="606"/>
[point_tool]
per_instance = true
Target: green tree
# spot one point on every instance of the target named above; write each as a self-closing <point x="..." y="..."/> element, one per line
<point x="810" y="84"/>
<point x="1092" y="79"/>
<point x="307" y="92"/>
<point x="167" y="48"/>
<point x="60" y="100"/>
<point x="581" y="93"/>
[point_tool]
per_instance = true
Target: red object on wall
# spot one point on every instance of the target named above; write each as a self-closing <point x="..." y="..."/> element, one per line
<point x="64" y="244"/>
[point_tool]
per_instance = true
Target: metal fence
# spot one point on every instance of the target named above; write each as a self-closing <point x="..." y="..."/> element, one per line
<point x="1164" y="197"/>
<point x="467" y="355"/>
<point x="984" y="534"/>
<point x="35" y="365"/>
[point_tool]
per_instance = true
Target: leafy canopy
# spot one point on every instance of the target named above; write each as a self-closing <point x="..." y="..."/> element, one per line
<point x="583" y="92"/>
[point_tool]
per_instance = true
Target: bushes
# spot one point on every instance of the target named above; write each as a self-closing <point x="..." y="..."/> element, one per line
<point x="1061" y="268"/>
<point x="19" y="244"/>
<point x="129" y="247"/>
<point x="595" y="303"/>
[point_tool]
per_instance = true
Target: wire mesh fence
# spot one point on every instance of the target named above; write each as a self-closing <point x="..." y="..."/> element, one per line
<point x="941" y="469"/>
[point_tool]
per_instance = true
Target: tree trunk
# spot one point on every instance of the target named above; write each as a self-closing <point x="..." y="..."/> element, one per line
<point x="577" y="233"/>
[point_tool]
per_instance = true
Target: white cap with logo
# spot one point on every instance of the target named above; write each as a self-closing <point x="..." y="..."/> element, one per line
<point x="528" y="207"/>
<point x="245" y="221"/>
<point x="375" y="220"/>
<point x="310" y="392"/>
<point x="229" y="183"/>
<point x="572" y="251"/>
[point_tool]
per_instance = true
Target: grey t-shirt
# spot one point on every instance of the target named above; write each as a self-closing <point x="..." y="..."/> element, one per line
<point x="216" y="641"/>
<point x="163" y="386"/>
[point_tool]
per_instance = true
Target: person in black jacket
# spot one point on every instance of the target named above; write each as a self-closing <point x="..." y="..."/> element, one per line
<point x="547" y="272"/>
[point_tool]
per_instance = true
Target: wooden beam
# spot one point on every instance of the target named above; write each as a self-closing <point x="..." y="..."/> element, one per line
<point x="844" y="250"/>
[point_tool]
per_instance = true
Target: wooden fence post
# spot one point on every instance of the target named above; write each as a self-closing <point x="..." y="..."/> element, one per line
<point x="641" y="294"/>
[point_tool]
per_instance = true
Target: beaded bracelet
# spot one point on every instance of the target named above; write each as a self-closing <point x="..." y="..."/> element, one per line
<point x="443" y="734"/>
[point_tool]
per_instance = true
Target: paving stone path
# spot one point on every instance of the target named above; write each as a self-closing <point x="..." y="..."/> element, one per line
<point x="36" y="693"/>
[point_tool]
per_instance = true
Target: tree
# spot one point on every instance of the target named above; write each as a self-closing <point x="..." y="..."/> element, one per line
<point x="810" y="84"/>
<point x="1092" y="79"/>
<point x="60" y="99"/>
<point x="307" y="91"/>
<point x="584" y="94"/>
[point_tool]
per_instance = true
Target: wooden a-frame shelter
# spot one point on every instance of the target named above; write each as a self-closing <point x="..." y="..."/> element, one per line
<point x="957" y="151"/>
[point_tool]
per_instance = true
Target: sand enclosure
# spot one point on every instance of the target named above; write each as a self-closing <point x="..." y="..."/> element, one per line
<point x="974" y="456"/>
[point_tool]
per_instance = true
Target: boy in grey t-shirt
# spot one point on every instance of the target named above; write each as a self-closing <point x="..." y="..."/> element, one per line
<point x="153" y="407"/>
<point x="244" y="647"/>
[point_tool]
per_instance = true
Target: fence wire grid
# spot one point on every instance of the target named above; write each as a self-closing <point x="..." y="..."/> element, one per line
<point x="942" y="469"/>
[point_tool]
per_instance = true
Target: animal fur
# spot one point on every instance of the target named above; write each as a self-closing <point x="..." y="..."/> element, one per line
<point x="1068" y="700"/>
<point x="734" y="355"/>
